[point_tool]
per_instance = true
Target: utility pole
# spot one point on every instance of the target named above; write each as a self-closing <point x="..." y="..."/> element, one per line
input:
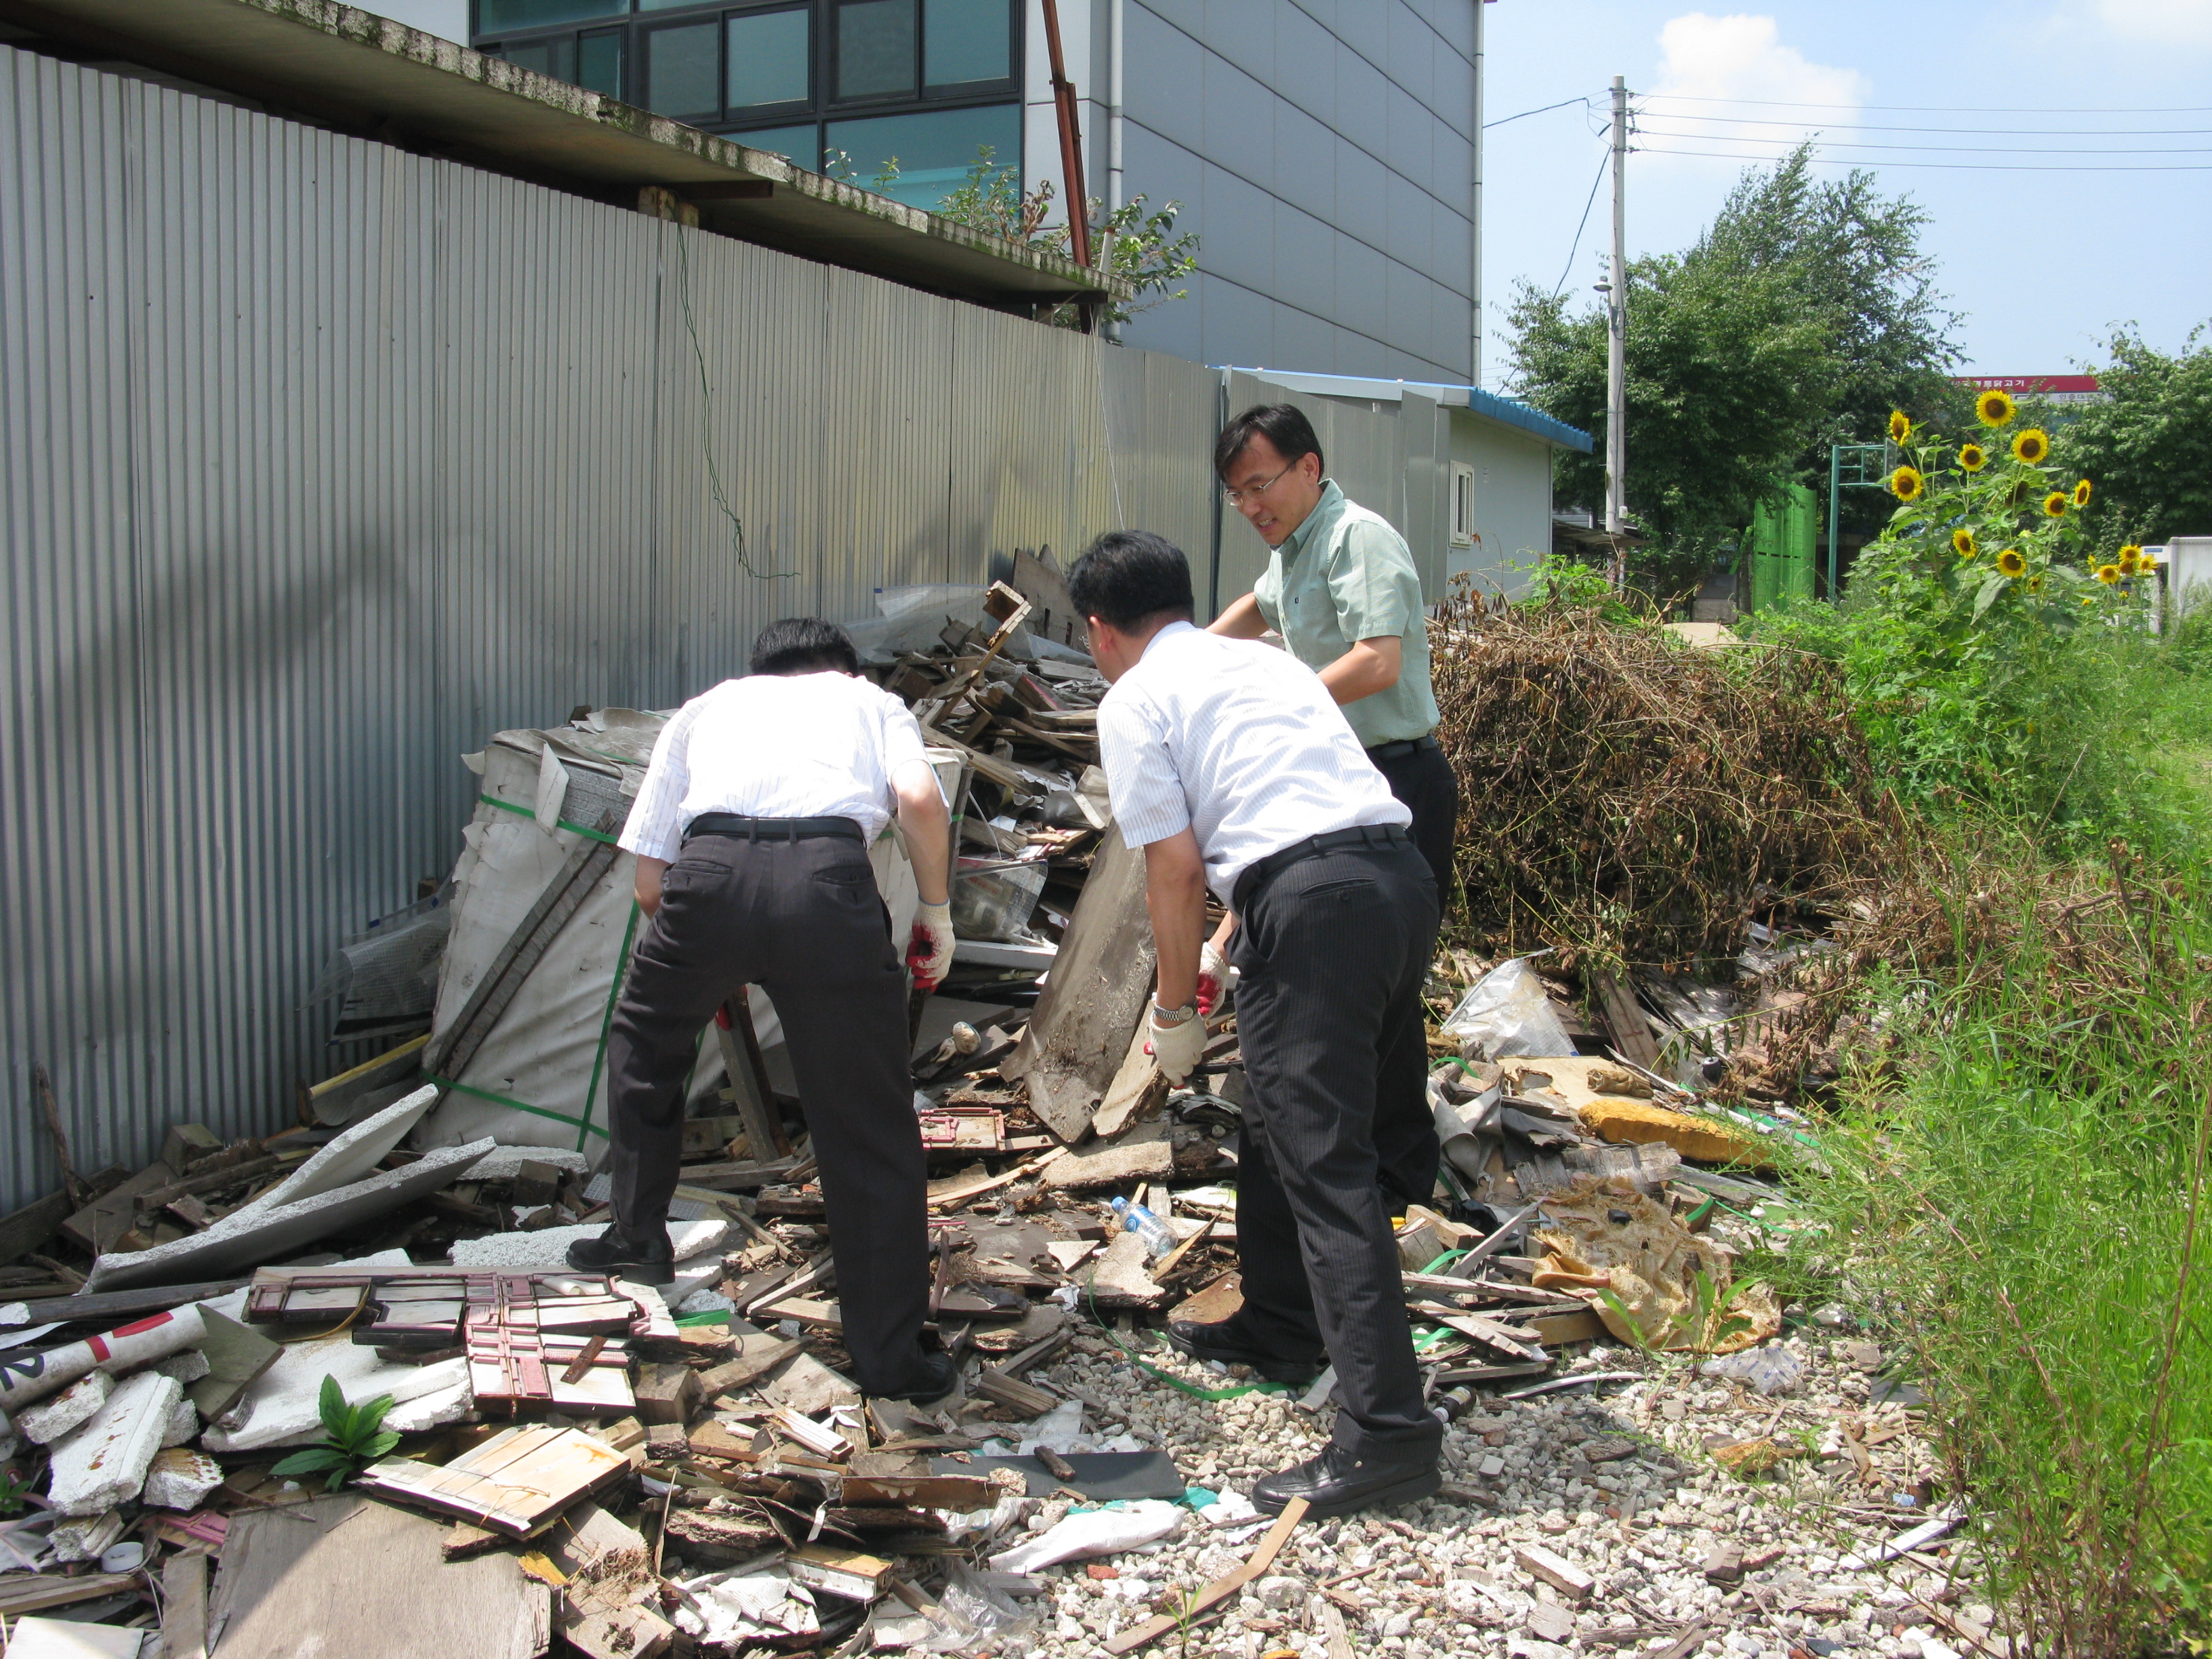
<point x="1616" y="362"/>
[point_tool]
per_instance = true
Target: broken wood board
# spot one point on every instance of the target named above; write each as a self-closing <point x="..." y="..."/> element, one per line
<point x="1218" y="1300"/>
<point x="1639" y="1122"/>
<point x="370" y="1086"/>
<point x="1120" y="1279"/>
<point x="381" y="1588"/>
<point x="1077" y="1037"/>
<point x="1138" y="1089"/>
<point x="608" y="1608"/>
<point x="1221" y="1589"/>
<point x="512" y="1483"/>
<point x="1624" y="1017"/>
<point x="1144" y="1154"/>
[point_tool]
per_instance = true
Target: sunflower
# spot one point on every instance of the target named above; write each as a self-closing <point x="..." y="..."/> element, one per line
<point x="2108" y="573"/>
<point x="2130" y="551"/>
<point x="2031" y="446"/>
<point x="1995" y="408"/>
<point x="2054" y="505"/>
<point x="1900" y="426"/>
<point x="1973" y="458"/>
<point x="1962" y="542"/>
<point x="2081" y="494"/>
<point x="2012" y="561"/>
<point x="1906" y="485"/>
<point x="2131" y="560"/>
<point x="2035" y="583"/>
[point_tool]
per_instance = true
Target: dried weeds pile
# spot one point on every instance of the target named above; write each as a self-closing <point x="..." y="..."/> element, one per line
<point x="1632" y="800"/>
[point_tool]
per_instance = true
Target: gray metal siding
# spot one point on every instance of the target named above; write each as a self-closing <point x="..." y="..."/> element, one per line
<point x="320" y="462"/>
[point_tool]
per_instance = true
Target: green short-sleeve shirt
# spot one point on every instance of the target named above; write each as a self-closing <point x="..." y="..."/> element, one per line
<point x="1346" y="575"/>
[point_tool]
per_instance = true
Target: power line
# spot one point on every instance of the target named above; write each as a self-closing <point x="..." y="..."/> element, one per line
<point x="1969" y="167"/>
<point x="1937" y="109"/>
<point x="1920" y="149"/>
<point x="1525" y="113"/>
<point x="1578" y="247"/>
<point x="2023" y="132"/>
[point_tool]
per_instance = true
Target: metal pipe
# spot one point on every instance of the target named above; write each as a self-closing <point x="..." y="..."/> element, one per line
<point x="1616" y="308"/>
<point x="1114" y="197"/>
<point x="1070" y="141"/>
<point x="1474" y="291"/>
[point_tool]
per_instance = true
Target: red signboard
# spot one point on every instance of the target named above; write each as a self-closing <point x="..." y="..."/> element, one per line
<point x="2028" y="385"/>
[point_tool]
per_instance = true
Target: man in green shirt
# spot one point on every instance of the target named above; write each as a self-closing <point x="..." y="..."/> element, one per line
<point x="1341" y="590"/>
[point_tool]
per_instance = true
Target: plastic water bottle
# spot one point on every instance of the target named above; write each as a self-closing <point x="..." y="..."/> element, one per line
<point x="1136" y="1219"/>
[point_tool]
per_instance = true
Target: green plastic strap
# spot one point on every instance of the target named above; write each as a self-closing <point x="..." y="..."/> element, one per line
<point x="525" y="813"/>
<point x="518" y="1105"/>
<point x="606" y="1026"/>
<point x="1152" y="1371"/>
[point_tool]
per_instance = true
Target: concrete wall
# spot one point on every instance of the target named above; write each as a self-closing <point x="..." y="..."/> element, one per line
<point x="1323" y="151"/>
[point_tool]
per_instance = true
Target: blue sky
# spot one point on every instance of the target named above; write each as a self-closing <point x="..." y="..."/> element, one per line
<point x="2042" y="264"/>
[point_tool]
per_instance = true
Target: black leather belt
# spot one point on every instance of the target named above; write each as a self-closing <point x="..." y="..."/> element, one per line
<point x="730" y="823"/>
<point x="1382" y="751"/>
<point x="1266" y="869"/>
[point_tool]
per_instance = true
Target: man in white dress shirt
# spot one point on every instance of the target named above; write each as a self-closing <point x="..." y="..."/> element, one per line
<point x="1230" y="765"/>
<point x="751" y="831"/>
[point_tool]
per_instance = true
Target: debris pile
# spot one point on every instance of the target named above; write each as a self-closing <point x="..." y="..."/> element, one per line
<point x="352" y="1355"/>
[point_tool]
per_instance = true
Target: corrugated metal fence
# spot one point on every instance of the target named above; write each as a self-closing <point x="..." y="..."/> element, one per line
<point x="320" y="462"/>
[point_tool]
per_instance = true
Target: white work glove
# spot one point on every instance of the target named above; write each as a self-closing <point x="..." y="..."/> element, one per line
<point x="929" y="952"/>
<point x="1177" y="1041"/>
<point x="1216" y="979"/>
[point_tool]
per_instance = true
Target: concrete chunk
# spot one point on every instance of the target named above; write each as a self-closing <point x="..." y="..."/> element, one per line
<point x="183" y="1422"/>
<point x="353" y="1155"/>
<point x="88" y="1539"/>
<point x="181" y="1477"/>
<point x="548" y="1248"/>
<point x="105" y="1463"/>
<point x="280" y="1407"/>
<point x="68" y="1411"/>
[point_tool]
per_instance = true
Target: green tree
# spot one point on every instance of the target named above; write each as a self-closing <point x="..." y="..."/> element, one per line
<point x="2148" y="448"/>
<point x="1801" y="317"/>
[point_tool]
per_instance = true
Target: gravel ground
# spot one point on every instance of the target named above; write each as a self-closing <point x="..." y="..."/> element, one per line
<point x="1620" y="1483"/>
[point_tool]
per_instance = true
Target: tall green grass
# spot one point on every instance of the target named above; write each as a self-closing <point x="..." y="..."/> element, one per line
<point x="2031" y="1199"/>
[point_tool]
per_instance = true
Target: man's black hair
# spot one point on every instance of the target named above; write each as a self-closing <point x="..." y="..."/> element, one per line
<point x="803" y="645"/>
<point x="1282" y="425"/>
<point x="1128" y="577"/>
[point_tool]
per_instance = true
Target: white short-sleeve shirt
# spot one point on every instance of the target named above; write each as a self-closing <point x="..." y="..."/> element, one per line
<point x="823" y="745"/>
<point x="1239" y="743"/>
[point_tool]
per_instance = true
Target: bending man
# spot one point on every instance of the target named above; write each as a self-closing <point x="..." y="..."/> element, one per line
<point x="1230" y="764"/>
<point x="751" y="832"/>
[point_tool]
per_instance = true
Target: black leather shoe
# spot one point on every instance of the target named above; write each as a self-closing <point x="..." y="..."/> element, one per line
<point x="1223" y="1343"/>
<point x="938" y="1377"/>
<point x="1337" y="1483"/>
<point x="653" y="1262"/>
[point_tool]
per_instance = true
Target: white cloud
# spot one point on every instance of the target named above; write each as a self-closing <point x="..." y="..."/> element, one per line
<point x="1741" y="56"/>
<point x="2163" y="22"/>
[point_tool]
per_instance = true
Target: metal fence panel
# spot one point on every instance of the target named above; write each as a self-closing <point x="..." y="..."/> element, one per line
<point x="320" y="463"/>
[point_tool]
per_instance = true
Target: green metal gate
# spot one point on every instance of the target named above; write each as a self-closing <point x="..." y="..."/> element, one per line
<point x="1781" y="541"/>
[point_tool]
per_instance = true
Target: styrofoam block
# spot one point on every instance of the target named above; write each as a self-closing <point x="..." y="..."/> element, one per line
<point x="105" y="1463"/>
<point x="179" y="1477"/>
<point x="88" y="1539"/>
<point x="353" y="1155"/>
<point x="184" y="1423"/>
<point x="505" y="1163"/>
<point x="549" y="1246"/>
<point x="189" y="1366"/>
<point x="283" y="1404"/>
<point x="71" y="1409"/>
<point x="249" y="1238"/>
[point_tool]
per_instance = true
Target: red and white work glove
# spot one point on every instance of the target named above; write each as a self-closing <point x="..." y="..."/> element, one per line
<point x="929" y="951"/>
<point x="1216" y="979"/>
<point x="1177" y="1039"/>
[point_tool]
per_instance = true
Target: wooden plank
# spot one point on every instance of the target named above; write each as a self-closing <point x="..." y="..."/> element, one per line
<point x="185" y="1605"/>
<point x="344" y="1575"/>
<point x="31" y="1592"/>
<point x="1139" y="1088"/>
<point x="1095" y="998"/>
<point x="108" y="1305"/>
<point x="451" y="1051"/>
<point x="513" y="1483"/>
<point x="25" y="1230"/>
<point x="749" y="1086"/>
<point x="1038" y="578"/>
<point x="1624" y="1017"/>
<point x="107" y="1218"/>
<point x="1222" y="1588"/>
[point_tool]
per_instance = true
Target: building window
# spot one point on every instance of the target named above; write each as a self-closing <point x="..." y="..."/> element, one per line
<point x="858" y="83"/>
<point x="1463" y="506"/>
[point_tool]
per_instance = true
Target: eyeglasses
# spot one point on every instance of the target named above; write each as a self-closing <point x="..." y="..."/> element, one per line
<point x="1234" y="497"/>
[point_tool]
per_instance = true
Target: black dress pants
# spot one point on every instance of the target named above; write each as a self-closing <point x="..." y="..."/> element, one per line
<point x="802" y="920"/>
<point x="1331" y="952"/>
<point x="1424" y="782"/>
